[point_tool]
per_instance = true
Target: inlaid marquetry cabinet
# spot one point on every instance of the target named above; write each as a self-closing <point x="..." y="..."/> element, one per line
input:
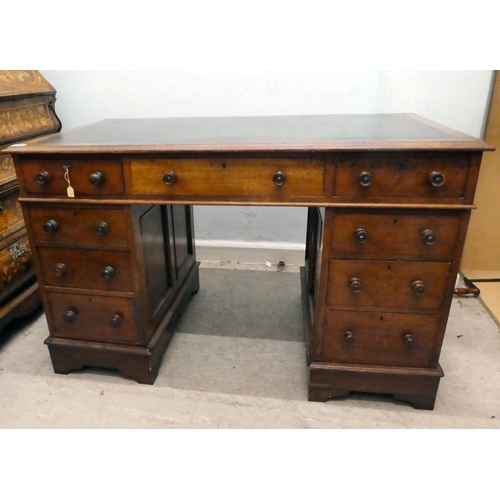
<point x="26" y="111"/>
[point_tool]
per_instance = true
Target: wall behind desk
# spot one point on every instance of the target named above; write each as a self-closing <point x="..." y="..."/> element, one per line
<point x="457" y="99"/>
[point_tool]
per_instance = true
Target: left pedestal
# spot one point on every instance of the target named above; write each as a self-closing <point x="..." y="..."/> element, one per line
<point x="114" y="279"/>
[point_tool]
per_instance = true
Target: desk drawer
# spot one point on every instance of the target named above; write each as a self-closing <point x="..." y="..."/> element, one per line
<point x="90" y="269"/>
<point x="93" y="226"/>
<point x="422" y="177"/>
<point x="391" y="234"/>
<point x="256" y="177"/>
<point x="388" y="339"/>
<point x="88" y="177"/>
<point x="387" y="284"/>
<point x="93" y="318"/>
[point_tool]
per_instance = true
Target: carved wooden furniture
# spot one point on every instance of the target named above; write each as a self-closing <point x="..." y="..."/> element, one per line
<point x="389" y="199"/>
<point x="26" y="111"/>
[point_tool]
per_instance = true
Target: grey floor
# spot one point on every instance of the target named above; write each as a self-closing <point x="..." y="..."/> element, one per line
<point x="237" y="361"/>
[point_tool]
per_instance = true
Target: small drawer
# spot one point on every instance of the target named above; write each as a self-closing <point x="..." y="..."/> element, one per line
<point x="94" y="318"/>
<point x="418" y="177"/>
<point x="90" y="269"/>
<point x="89" y="226"/>
<point x="88" y="177"/>
<point x="387" y="339"/>
<point x="387" y="284"/>
<point x="256" y="177"/>
<point x="405" y="236"/>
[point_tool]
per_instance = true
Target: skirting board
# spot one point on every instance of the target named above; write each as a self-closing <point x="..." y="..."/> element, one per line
<point x="250" y="252"/>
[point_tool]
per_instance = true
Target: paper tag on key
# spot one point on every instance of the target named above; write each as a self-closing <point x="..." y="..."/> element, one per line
<point x="70" y="191"/>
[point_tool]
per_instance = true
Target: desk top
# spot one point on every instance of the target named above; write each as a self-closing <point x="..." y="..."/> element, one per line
<point x="256" y="134"/>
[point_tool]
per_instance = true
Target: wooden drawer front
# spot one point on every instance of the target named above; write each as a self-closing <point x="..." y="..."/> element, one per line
<point x="386" y="284"/>
<point x="92" y="318"/>
<point x="79" y="225"/>
<point x="394" y="177"/>
<point x="369" y="338"/>
<point x="47" y="176"/>
<point x="92" y="269"/>
<point x="370" y="235"/>
<point x="229" y="177"/>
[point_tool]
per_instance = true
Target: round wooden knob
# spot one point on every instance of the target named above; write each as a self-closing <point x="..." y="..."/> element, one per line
<point x="170" y="178"/>
<point x="365" y="178"/>
<point x="428" y="237"/>
<point x="355" y="285"/>
<point x="42" y="178"/>
<point x="59" y="269"/>
<point x="409" y="341"/>
<point x="418" y="287"/>
<point x="50" y="226"/>
<point x="101" y="229"/>
<point x="69" y="316"/>
<point x="115" y="320"/>
<point x="279" y="178"/>
<point x="107" y="273"/>
<point x="97" y="178"/>
<point x="361" y="236"/>
<point x="348" y="337"/>
<point x="435" y="179"/>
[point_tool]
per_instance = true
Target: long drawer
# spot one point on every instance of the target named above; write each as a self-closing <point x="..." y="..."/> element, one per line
<point x="374" y="338"/>
<point x="260" y="178"/>
<point x="387" y="284"/>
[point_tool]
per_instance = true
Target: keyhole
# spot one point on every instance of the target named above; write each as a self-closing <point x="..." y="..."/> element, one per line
<point x="389" y="267"/>
<point x="223" y="165"/>
<point x="395" y="221"/>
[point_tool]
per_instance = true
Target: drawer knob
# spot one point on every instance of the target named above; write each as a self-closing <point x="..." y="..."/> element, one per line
<point x="365" y="178"/>
<point x="60" y="269"/>
<point x="418" y="287"/>
<point x="170" y="178"/>
<point x="50" y="226"/>
<point x="409" y="341"/>
<point x="361" y="236"/>
<point x="435" y="179"/>
<point x="348" y="337"/>
<point x="97" y="178"/>
<point x="107" y="273"/>
<point x="115" y="320"/>
<point x="428" y="237"/>
<point x="42" y="178"/>
<point x="279" y="178"/>
<point x="101" y="229"/>
<point x="69" y="316"/>
<point x="355" y="285"/>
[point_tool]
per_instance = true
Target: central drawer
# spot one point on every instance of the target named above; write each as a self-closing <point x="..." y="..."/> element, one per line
<point x="256" y="177"/>
<point x="387" y="284"/>
<point x="90" y="269"/>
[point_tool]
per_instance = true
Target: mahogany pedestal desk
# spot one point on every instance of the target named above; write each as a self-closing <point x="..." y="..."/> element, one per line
<point x="388" y="197"/>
